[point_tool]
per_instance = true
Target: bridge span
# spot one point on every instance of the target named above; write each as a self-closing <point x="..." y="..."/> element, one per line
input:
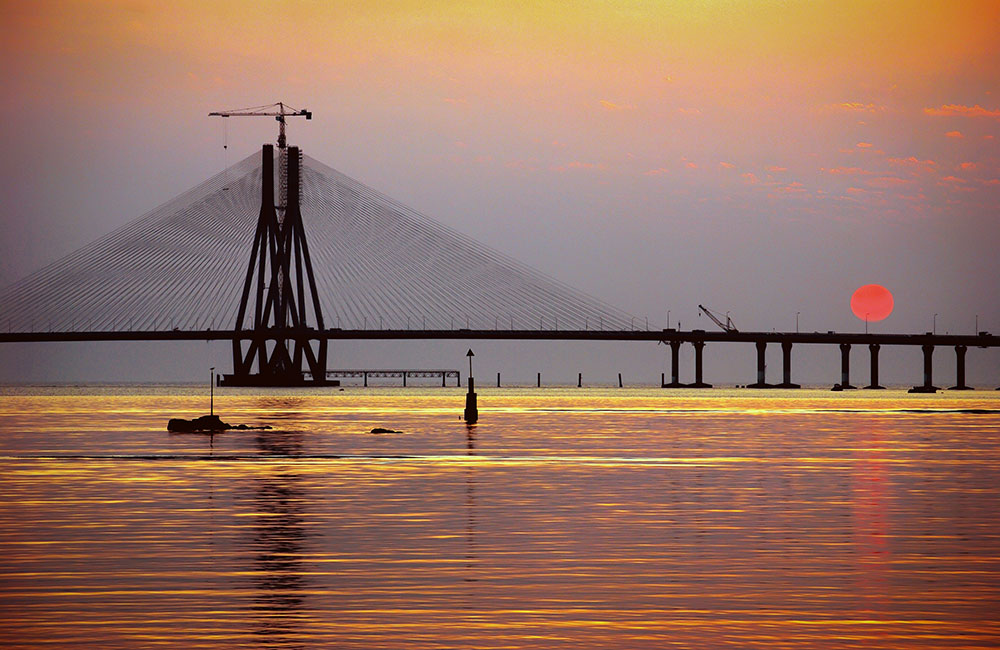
<point x="927" y="342"/>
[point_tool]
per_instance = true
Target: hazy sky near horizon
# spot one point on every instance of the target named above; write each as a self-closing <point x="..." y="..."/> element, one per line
<point x="760" y="157"/>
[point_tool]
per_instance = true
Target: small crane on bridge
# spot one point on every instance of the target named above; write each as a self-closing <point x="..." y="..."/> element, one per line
<point x="728" y="326"/>
<point x="279" y="111"/>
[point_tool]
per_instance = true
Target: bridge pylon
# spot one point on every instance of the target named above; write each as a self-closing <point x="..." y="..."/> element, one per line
<point x="285" y="313"/>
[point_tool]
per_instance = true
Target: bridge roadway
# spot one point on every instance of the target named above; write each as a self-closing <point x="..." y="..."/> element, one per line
<point x="664" y="336"/>
<point x="674" y="338"/>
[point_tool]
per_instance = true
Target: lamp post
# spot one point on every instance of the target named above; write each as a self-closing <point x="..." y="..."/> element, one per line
<point x="796" y="322"/>
<point x="866" y="322"/>
<point x="668" y="319"/>
<point x="211" y="390"/>
<point x="934" y="326"/>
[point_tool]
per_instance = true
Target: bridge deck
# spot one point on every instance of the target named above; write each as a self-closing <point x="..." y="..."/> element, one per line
<point x="982" y="340"/>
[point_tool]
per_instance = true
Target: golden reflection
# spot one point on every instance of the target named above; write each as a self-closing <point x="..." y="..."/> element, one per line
<point x="582" y="519"/>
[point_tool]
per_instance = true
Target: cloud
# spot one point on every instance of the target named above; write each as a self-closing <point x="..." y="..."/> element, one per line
<point x="612" y="107"/>
<point x="953" y="179"/>
<point x="913" y="161"/>
<point x="846" y="171"/>
<point x="454" y="100"/>
<point x="691" y="165"/>
<point x="858" y="107"/>
<point x="954" y="134"/>
<point x="577" y="164"/>
<point x="689" y="111"/>
<point x="856" y="190"/>
<point x="659" y="171"/>
<point x="968" y="165"/>
<point x="726" y="165"/>
<point x="864" y="145"/>
<point x="886" y="182"/>
<point x="964" y="111"/>
<point x="774" y="168"/>
<point x="749" y="178"/>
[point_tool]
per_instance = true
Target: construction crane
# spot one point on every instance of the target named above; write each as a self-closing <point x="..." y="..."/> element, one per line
<point x="278" y="111"/>
<point x="726" y="327"/>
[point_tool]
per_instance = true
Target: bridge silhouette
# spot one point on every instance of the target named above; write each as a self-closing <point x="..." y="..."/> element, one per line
<point x="280" y="274"/>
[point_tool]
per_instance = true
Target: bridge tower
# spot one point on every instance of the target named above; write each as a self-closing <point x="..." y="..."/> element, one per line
<point x="285" y="312"/>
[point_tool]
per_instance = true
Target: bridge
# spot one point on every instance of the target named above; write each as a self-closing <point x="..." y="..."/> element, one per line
<point x="231" y="260"/>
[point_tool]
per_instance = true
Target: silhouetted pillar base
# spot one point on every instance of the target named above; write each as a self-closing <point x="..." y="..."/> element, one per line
<point x="701" y="384"/>
<point x="761" y="365"/>
<point x="699" y="349"/>
<point x="845" y="369"/>
<point x="928" y="386"/>
<point x="960" y="369"/>
<point x="873" y="349"/>
<point x="471" y="414"/>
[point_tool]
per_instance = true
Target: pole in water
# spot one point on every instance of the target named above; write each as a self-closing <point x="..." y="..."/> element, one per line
<point x="471" y="409"/>
<point x="211" y="390"/>
<point x="620" y="380"/>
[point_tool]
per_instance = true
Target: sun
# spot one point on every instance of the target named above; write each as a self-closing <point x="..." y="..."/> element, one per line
<point x="871" y="303"/>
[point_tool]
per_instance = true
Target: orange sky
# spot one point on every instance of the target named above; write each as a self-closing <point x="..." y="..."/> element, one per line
<point x="613" y="124"/>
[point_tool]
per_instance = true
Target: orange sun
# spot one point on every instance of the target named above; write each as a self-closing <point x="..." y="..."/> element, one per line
<point x="871" y="303"/>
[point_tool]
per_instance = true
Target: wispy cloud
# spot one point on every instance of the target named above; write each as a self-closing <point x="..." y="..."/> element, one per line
<point x="864" y="145"/>
<point x="455" y="100"/>
<point x="659" y="171"/>
<point x="846" y="171"/>
<point x="858" y="107"/>
<point x="613" y="107"/>
<point x="577" y="164"/>
<point x="689" y="111"/>
<point x="775" y="168"/>
<point x="954" y="134"/>
<point x="726" y="165"/>
<point x="749" y="177"/>
<point x="964" y="111"/>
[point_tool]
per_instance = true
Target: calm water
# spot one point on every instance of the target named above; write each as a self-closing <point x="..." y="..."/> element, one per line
<point x="566" y="519"/>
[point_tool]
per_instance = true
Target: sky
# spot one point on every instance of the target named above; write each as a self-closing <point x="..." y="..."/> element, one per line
<point x="762" y="158"/>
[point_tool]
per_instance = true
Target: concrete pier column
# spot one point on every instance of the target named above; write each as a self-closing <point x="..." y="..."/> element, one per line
<point x="579" y="380"/>
<point x="404" y="379"/>
<point x="366" y="379"/>
<point x="786" y="366"/>
<point x="539" y="380"/>
<point x="845" y="368"/>
<point x="960" y="369"/>
<point x="873" y="349"/>
<point x="699" y="382"/>
<point x="675" y="347"/>
<point x="761" y="365"/>
<point x="928" y="386"/>
<point x="498" y="380"/>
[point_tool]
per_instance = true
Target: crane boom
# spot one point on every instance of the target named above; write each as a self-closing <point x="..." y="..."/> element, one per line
<point x="278" y="111"/>
<point x="726" y="327"/>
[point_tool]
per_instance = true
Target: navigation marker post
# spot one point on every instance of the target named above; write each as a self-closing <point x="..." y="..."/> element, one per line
<point x="471" y="409"/>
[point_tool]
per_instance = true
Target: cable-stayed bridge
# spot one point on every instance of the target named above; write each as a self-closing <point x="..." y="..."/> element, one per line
<point x="281" y="273"/>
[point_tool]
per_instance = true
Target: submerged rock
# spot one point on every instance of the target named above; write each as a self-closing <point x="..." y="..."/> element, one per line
<point x="206" y="424"/>
<point x="381" y="430"/>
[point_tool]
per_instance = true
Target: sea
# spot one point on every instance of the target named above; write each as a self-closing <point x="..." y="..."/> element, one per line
<point x="565" y="518"/>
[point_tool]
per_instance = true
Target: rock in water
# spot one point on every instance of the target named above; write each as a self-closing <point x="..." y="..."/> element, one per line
<point x="204" y="423"/>
<point x="381" y="430"/>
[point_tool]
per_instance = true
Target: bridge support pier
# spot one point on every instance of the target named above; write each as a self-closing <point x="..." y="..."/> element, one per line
<point x="928" y="386"/>
<point x="675" y="347"/>
<point x="761" y="366"/>
<point x="960" y="369"/>
<point x="786" y="366"/>
<point x="699" y="347"/>
<point x="873" y="349"/>
<point x="845" y="368"/>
